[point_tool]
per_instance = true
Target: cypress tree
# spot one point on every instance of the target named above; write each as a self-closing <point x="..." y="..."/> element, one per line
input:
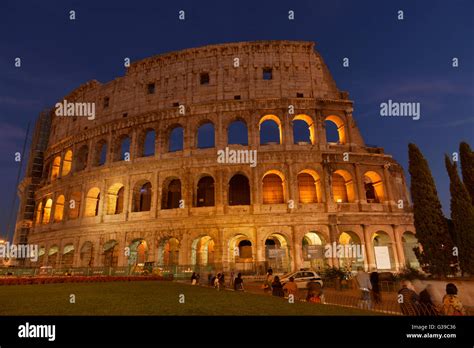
<point x="462" y="215"/>
<point x="431" y="226"/>
<point x="467" y="168"/>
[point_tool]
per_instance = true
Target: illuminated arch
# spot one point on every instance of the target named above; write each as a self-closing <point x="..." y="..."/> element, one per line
<point x="202" y="251"/>
<point x="142" y="194"/>
<point x="237" y="133"/>
<point x="273" y="187"/>
<point x="374" y="188"/>
<point x="205" y="137"/>
<point x="309" y="121"/>
<point x="239" y="190"/>
<point x="312" y="246"/>
<point x="92" y="202"/>
<point x="270" y="118"/>
<point x="277" y="253"/>
<point x="115" y="197"/>
<point x="39" y="210"/>
<point x="309" y="187"/>
<point x="343" y="187"/>
<point x="341" y="128"/>
<point x="352" y="247"/>
<point x="47" y="211"/>
<point x="382" y="239"/>
<point x="74" y="205"/>
<point x="55" y="168"/>
<point x="67" y="163"/>
<point x="59" y="209"/>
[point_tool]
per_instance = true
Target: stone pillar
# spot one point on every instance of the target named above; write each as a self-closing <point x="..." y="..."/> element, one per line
<point x="297" y="250"/>
<point x="359" y="184"/>
<point x="397" y="234"/>
<point x="387" y="184"/>
<point x="369" y="249"/>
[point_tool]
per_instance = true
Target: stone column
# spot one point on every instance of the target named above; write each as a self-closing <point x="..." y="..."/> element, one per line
<point x="369" y="248"/>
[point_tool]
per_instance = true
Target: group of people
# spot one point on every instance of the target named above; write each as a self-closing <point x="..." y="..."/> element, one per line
<point x="414" y="304"/>
<point x="410" y="302"/>
<point x="218" y="281"/>
<point x="273" y="284"/>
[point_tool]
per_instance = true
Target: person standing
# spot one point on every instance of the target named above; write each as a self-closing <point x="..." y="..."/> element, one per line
<point x="277" y="288"/>
<point x="426" y="304"/>
<point x="363" y="282"/>
<point x="231" y="279"/>
<point x="374" y="281"/>
<point x="408" y="299"/>
<point x="193" y="278"/>
<point x="451" y="305"/>
<point x="239" y="283"/>
<point x="221" y="281"/>
<point x="291" y="288"/>
<point x="267" y="284"/>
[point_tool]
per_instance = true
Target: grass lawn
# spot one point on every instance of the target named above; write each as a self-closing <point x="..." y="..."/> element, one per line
<point x="149" y="298"/>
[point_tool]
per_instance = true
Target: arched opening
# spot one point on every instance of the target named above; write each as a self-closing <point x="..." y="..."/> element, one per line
<point x="374" y="191"/>
<point x="115" y="199"/>
<point x="146" y="143"/>
<point x="273" y="188"/>
<point x="110" y="254"/>
<point x="383" y="251"/>
<point x="277" y="253"/>
<point x="313" y="244"/>
<point x="47" y="211"/>
<point x="205" y="192"/>
<point x="168" y="252"/>
<point x="142" y="194"/>
<point x="59" y="209"/>
<point x="67" y="163"/>
<point x="171" y="195"/>
<point x="205" y="136"/>
<point x="239" y="190"/>
<point x="351" y="253"/>
<point x="138" y="252"/>
<point x="241" y="253"/>
<point x="122" y="148"/>
<point x="53" y="256"/>
<point x="41" y="254"/>
<point x="100" y="153"/>
<point x="339" y="133"/>
<point x="202" y="252"/>
<point x="81" y="159"/>
<point x="410" y="243"/>
<point x="303" y="129"/>
<point x="309" y="187"/>
<point x="342" y="187"/>
<point x="92" y="202"/>
<point x="74" y="205"/>
<point x="56" y="167"/>
<point x="176" y="139"/>
<point x="237" y="133"/>
<point x="87" y="255"/>
<point x="39" y="209"/>
<point x="68" y="256"/>
<point x="270" y="130"/>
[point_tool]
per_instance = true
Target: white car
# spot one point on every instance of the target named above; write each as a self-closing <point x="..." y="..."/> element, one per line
<point x="302" y="278"/>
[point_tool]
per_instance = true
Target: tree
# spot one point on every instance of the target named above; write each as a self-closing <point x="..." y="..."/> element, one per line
<point x="462" y="215"/>
<point x="431" y="226"/>
<point x="467" y="167"/>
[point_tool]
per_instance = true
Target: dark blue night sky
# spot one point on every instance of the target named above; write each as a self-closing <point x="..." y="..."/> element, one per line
<point x="409" y="60"/>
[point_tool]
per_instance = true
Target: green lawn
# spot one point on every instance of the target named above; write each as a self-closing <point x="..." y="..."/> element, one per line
<point x="149" y="298"/>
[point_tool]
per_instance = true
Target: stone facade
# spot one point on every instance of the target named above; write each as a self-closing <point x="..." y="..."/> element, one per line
<point x="101" y="193"/>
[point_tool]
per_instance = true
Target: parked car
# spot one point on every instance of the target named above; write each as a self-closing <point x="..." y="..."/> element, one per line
<point x="302" y="278"/>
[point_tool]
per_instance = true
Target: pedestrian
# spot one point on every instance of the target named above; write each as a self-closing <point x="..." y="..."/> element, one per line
<point x="408" y="299"/>
<point x="374" y="281"/>
<point x="291" y="288"/>
<point x="239" y="283"/>
<point x="221" y="281"/>
<point x="451" y="305"/>
<point x="231" y="280"/>
<point x="216" y="281"/>
<point x="426" y="304"/>
<point x="277" y="288"/>
<point x="363" y="282"/>
<point x="209" y="279"/>
<point x="193" y="278"/>
<point x="198" y="276"/>
<point x="267" y="284"/>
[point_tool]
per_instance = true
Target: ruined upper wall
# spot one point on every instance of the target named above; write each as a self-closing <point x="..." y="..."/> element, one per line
<point x="296" y="68"/>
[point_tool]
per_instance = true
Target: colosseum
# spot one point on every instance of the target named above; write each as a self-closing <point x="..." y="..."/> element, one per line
<point x="218" y="157"/>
